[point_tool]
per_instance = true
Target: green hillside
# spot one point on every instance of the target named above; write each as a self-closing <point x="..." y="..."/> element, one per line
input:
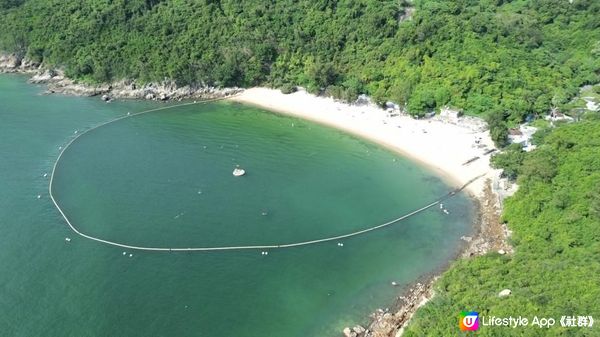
<point x="555" y="219"/>
<point x="511" y="57"/>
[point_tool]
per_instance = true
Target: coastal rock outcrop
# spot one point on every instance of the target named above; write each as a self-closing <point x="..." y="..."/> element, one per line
<point x="8" y="62"/>
<point x="43" y="77"/>
<point x="57" y="82"/>
<point x="29" y="64"/>
<point x="167" y="90"/>
<point x="357" y="331"/>
<point x="13" y="63"/>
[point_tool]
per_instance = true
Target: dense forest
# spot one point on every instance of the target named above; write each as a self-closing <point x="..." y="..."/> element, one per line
<point x="555" y="219"/>
<point x="503" y="58"/>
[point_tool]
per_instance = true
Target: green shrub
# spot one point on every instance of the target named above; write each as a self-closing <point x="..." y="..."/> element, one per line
<point x="288" y="88"/>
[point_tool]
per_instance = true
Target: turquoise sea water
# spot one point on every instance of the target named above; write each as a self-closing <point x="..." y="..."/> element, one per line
<point x="164" y="179"/>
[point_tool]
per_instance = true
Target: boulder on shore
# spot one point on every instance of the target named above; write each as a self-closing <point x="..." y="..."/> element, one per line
<point x="349" y="332"/>
<point x="359" y="330"/>
<point x="9" y="62"/>
<point x="44" y="77"/>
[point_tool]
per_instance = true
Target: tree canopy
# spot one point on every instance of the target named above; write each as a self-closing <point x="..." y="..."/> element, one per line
<point x="512" y="57"/>
<point x="555" y="219"/>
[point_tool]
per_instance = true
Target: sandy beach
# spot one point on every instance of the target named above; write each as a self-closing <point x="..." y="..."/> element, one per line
<point x="446" y="146"/>
<point x="442" y="145"/>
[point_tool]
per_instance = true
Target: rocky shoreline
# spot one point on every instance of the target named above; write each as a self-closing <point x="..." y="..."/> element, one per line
<point x="57" y="82"/>
<point x="490" y="235"/>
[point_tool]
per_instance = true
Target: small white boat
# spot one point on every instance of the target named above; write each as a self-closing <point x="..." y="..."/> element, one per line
<point x="68" y="239"/>
<point x="238" y="172"/>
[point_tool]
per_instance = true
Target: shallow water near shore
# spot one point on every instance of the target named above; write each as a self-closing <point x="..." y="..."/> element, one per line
<point x="164" y="179"/>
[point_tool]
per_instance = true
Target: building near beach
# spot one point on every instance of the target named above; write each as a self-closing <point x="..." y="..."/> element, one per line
<point x="522" y="135"/>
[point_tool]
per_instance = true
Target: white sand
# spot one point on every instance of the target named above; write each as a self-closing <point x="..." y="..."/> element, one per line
<point x="440" y="145"/>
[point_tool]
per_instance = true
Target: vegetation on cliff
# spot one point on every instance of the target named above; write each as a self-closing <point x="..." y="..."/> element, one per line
<point x="555" y="219"/>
